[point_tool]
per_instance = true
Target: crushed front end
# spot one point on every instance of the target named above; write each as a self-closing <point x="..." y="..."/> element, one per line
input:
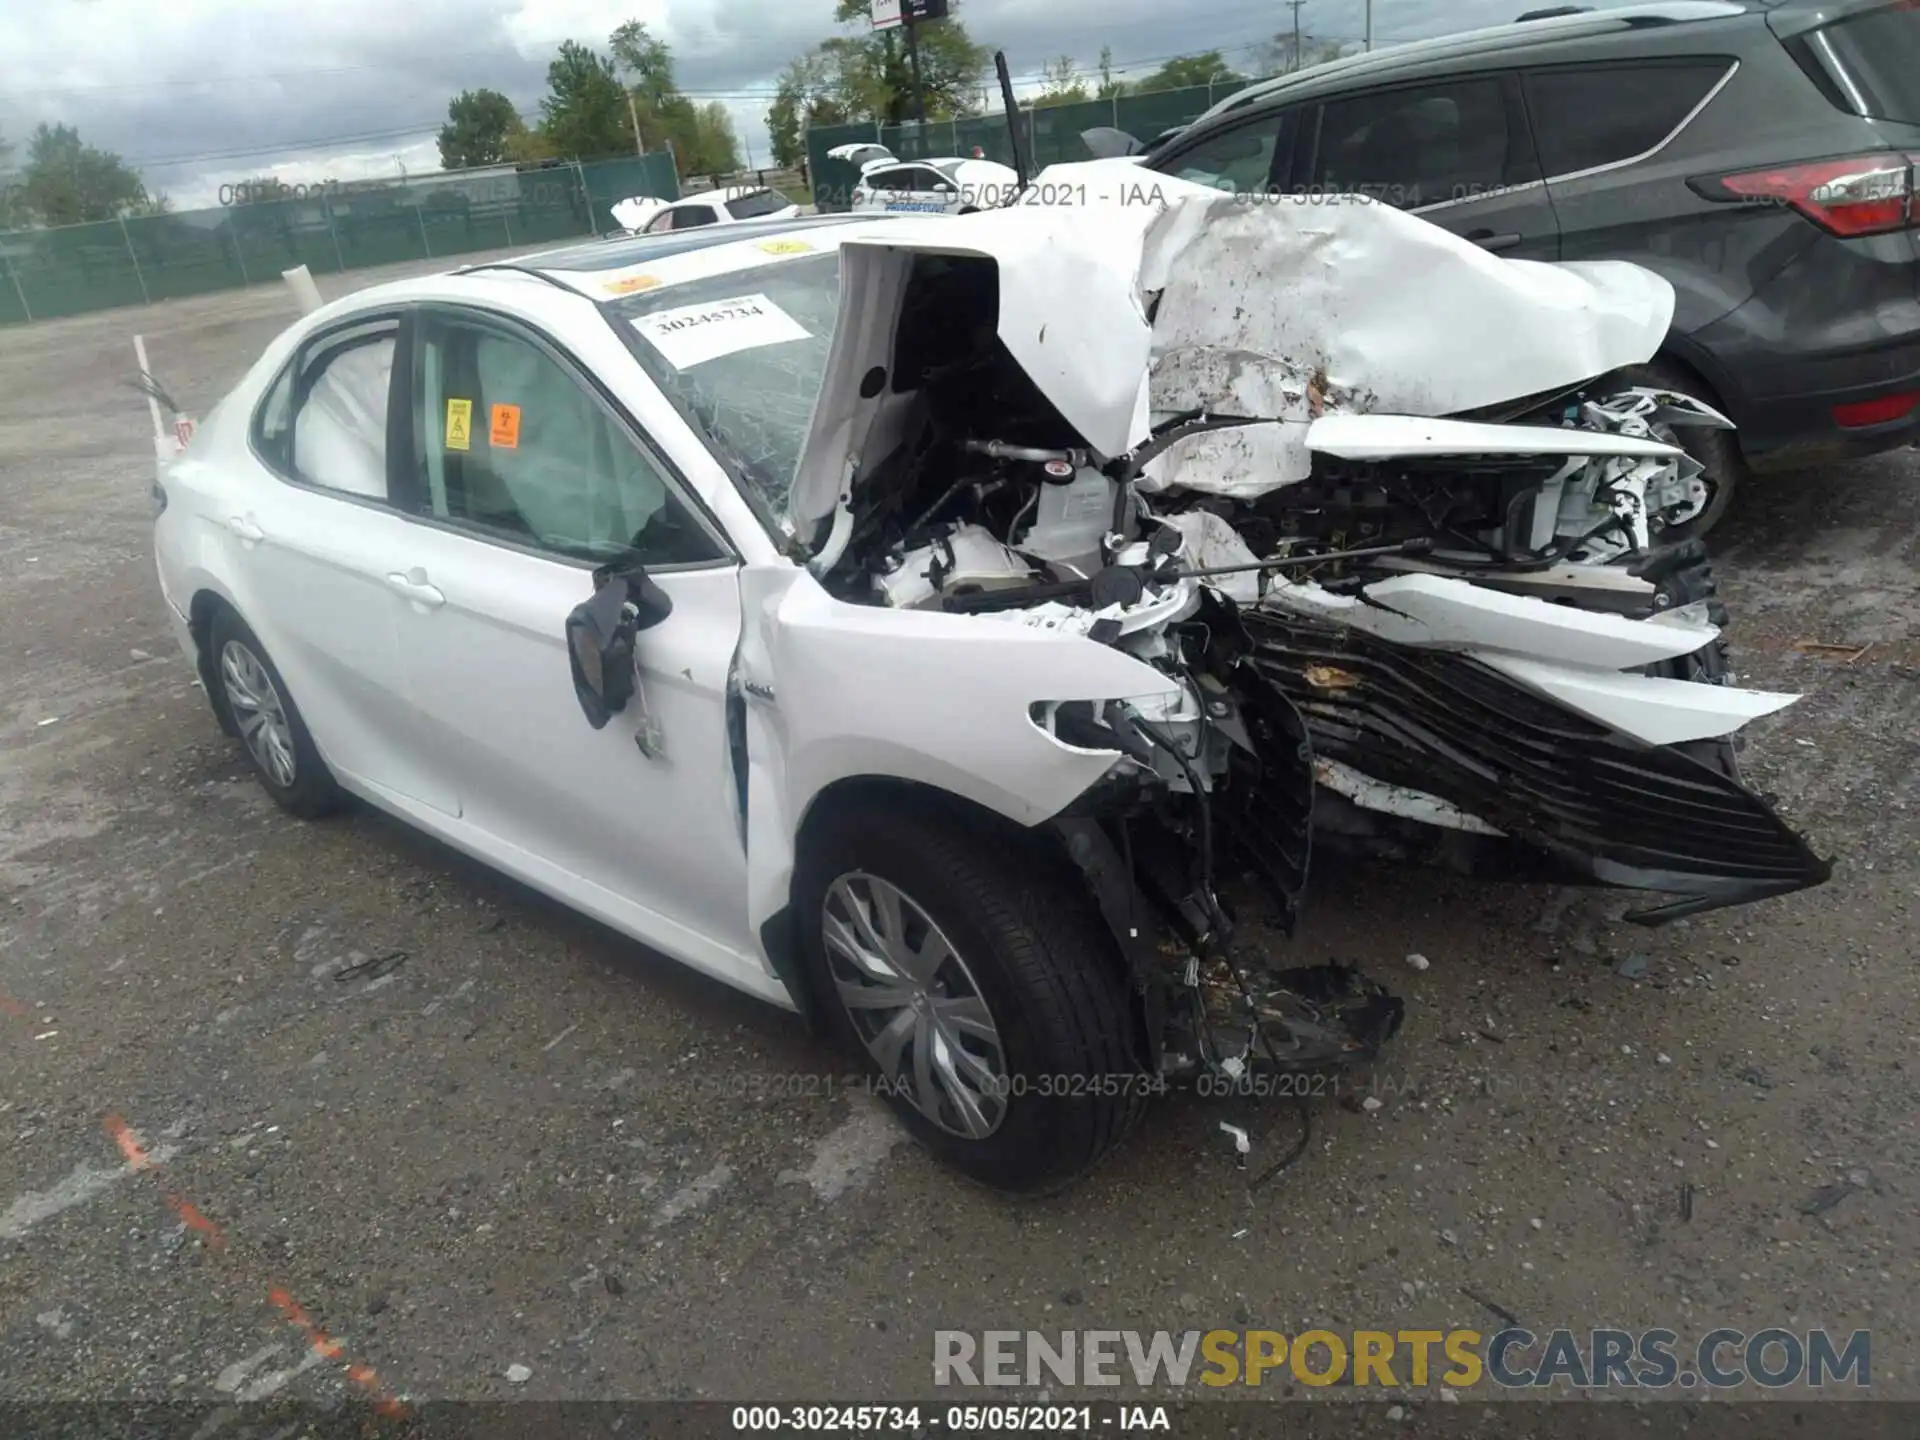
<point x="1408" y="576"/>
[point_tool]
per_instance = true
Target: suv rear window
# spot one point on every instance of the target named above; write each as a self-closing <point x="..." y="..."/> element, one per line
<point x="1873" y="62"/>
<point x="764" y="202"/>
<point x="1603" y="114"/>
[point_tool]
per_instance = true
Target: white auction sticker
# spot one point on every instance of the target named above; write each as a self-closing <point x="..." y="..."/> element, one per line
<point x="694" y="334"/>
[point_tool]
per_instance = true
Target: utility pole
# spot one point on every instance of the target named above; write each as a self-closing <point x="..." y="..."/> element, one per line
<point x="633" y="113"/>
<point x="1369" y="27"/>
<point x="913" y="60"/>
<point x="1295" y="6"/>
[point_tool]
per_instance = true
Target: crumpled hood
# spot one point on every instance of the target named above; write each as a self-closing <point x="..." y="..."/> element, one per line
<point x="1278" y="308"/>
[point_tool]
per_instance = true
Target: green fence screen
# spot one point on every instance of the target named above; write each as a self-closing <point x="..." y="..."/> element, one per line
<point x="1055" y="132"/>
<point x="78" y="268"/>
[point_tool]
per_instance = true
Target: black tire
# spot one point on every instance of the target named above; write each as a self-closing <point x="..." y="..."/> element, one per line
<point x="311" y="792"/>
<point x="1033" y="946"/>
<point x="1717" y="450"/>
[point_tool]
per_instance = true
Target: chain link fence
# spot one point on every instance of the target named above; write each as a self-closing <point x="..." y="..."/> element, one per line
<point x="1055" y="132"/>
<point x="259" y="231"/>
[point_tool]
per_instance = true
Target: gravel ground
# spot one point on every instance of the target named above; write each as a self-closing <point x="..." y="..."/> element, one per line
<point x="530" y="1144"/>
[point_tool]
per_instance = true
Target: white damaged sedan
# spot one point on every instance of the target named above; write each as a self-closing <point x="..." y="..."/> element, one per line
<point x="921" y="624"/>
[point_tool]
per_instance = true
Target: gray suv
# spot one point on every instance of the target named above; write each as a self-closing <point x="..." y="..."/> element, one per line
<point x="1761" y="156"/>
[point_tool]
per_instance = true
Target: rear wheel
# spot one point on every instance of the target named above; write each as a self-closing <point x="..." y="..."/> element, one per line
<point x="269" y="723"/>
<point x="1716" y="450"/>
<point x="974" y="980"/>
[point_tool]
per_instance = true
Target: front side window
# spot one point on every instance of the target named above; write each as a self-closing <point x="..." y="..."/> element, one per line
<point x="1414" y="147"/>
<point x="1603" y="114"/>
<point x="517" y="448"/>
<point x="688" y="217"/>
<point x="324" y="420"/>
<point x="1239" y="161"/>
<point x="742" y="356"/>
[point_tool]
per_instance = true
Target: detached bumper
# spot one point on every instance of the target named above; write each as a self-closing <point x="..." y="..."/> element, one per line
<point x="1597" y="805"/>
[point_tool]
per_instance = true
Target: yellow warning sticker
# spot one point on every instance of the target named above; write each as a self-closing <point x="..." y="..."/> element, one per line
<point x="505" y="432"/>
<point x="632" y="284"/>
<point x="787" y="247"/>
<point x="459" y="424"/>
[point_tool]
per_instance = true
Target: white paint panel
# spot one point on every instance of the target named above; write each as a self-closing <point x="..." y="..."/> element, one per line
<point x="1655" y="710"/>
<point x="1382" y="437"/>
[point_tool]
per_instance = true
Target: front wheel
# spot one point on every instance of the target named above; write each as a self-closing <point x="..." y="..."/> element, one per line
<point x="976" y="984"/>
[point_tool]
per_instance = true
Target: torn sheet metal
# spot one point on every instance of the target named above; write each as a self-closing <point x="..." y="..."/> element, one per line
<point x="1289" y="307"/>
<point x="1280" y="309"/>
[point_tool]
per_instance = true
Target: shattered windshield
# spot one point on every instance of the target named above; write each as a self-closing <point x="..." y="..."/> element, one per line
<point x="743" y="355"/>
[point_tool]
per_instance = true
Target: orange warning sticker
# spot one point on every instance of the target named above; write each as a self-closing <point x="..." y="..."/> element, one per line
<point x="632" y="284"/>
<point x="505" y="433"/>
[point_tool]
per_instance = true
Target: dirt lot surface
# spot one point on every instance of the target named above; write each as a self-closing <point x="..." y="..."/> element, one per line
<point x="529" y="1144"/>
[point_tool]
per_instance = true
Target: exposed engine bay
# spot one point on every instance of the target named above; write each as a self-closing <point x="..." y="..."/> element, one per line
<point x="1459" y="638"/>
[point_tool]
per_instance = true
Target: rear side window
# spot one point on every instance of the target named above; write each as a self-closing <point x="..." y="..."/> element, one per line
<point x="749" y="206"/>
<point x="1604" y="114"/>
<point x="324" y="419"/>
<point x="1415" y="147"/>
<point x="1872" y="63"/>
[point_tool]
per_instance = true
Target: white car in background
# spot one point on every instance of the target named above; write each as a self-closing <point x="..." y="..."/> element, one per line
<point x="649" y="215"/>
<point x="944" y="185"/>
<point x="917" y="624"/>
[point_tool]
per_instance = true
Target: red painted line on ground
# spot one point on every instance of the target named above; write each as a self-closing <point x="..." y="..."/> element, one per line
<point x="322" y="1344"/>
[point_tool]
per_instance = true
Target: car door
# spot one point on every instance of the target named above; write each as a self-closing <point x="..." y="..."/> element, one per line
<point x="316" y="544"/>
<point x="1456" y="152"/>
<point x="528" y="476"/>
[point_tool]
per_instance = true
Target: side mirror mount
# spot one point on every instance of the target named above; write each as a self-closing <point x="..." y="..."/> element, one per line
<point x="600" y="635"/>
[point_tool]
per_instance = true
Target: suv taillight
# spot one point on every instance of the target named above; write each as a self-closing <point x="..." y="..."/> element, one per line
<point x="1861" y="195"/>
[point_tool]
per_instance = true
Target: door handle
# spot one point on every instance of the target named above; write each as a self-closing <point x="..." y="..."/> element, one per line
<point x="246" y="529"/>
<point x="414" y="586"/>
<point x="1488" y="240"/>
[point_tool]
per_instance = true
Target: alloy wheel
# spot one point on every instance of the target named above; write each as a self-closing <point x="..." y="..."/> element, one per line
<point x="915" y="1005"/>
<point x="258" y="711"/>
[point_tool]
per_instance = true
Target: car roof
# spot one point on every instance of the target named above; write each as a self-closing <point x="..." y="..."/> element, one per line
<point x="1469" y="45"/>
<point x="623" y="252"/>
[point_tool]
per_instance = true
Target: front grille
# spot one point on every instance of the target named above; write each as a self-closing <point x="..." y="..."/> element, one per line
<point x="1608" y="806"/>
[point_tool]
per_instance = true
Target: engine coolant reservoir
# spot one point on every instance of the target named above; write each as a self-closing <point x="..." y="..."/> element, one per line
<point x="1071" y="517"/>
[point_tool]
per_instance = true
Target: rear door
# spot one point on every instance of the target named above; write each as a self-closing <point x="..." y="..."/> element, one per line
<point x="317" y="553"/>
<point x="1456" y="152"/>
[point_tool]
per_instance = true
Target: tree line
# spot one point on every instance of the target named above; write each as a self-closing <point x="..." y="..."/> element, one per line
<point x="625" y="98"/>
<point x="597" y="106"/>
<point x="65" y="181"/>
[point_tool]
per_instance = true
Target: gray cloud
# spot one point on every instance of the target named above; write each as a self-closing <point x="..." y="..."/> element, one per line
<point x="201" y="91"/>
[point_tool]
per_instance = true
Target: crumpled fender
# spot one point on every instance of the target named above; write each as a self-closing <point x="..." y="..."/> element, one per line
<point x="835" y="692"/>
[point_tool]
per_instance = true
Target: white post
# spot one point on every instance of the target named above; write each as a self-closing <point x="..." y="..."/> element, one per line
<point x="18" y="288"/>
<point x="1369" y="26"/>
<point x="138" y="274"/>
<point x="306" y="294"/>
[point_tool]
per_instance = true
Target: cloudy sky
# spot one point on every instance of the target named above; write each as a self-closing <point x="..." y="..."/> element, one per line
<point x="197" y="93"/>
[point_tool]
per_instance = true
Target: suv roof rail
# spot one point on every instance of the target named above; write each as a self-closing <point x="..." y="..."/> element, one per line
<point x="1561" y="21"/>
